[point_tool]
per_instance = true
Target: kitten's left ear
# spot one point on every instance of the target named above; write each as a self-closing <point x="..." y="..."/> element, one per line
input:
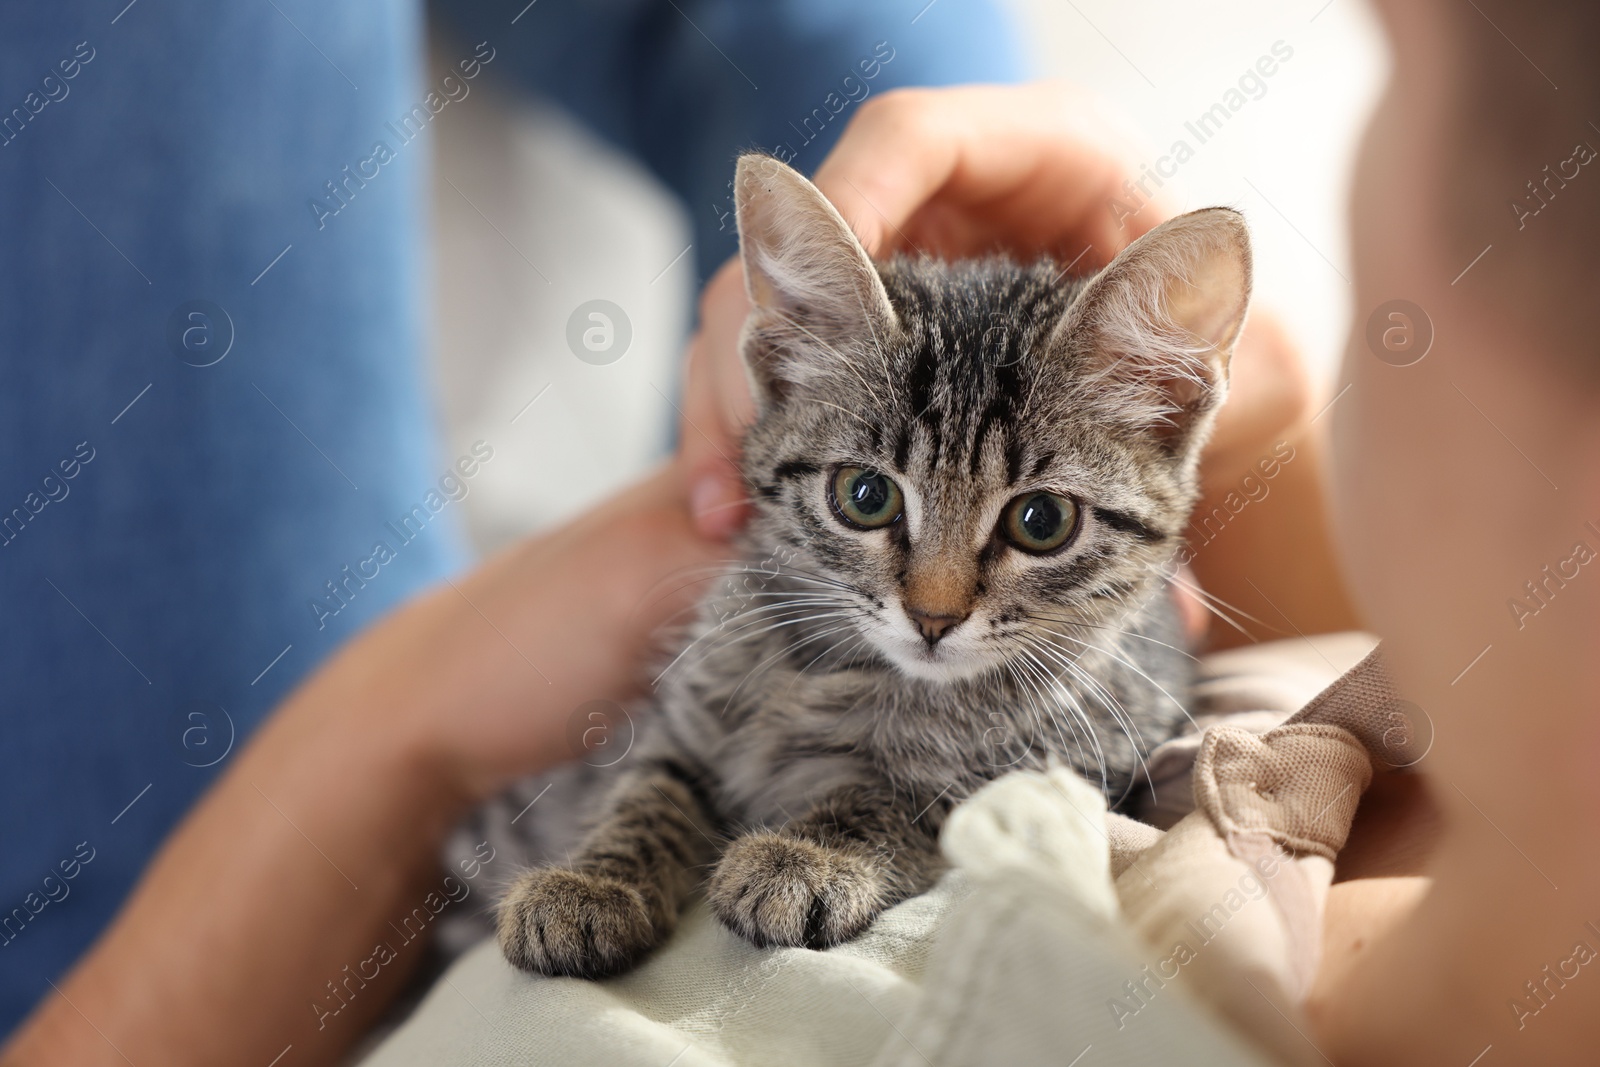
<point x="815" y="295"/>
<point x="1156" y="328"/>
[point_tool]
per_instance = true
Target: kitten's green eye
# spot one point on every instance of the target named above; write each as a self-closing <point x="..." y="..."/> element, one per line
<point x="866" y="498"/>
<point x="1039" y="522"/>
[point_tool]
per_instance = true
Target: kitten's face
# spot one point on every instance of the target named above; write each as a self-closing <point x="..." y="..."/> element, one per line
<point x="970" y="466"/>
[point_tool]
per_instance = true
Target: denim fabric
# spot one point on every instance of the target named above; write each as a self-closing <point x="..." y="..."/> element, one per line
<point x="686" y="85"/>
<point x="212" y="396"/>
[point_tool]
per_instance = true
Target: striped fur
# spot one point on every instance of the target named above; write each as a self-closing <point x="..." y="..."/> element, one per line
<point x="811" y="741"/>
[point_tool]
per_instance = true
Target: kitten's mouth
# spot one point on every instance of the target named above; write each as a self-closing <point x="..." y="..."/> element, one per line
<point x="949" y="660"/>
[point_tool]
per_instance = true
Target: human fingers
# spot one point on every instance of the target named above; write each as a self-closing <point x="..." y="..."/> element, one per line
<point x="1031" y="169"/>
<point x="716" y="408"/>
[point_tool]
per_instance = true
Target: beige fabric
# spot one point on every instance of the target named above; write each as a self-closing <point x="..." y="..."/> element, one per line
<point x="1282" y="676"/>
<point x="1364" y="701"/>
<point x="1213" y="929"/>
<point x="1298" y="784"/>
<point x="1062" y="933"/>
<point x="1254" y="688"/>
<point x="1235" y="891"/>
<point x="1013" y="958"/>
<point x="1127" y="838"/>
<point x="1025" y="973"/>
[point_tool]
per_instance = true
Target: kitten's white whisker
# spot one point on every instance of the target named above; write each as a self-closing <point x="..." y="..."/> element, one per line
<point x="747" y="620"/>
<point x="733" y="568"/>
<point x="1042" y="617"/>
<point x="798" y="618"/>
<point x="784" y="651"/>
<point x="1060" y="698"/>
<point x="1109" y="702"/>
<point x="765" y="624"/>
<point x="1064" y="694"/>
<point x="1140" y="770"/>
<point x="861" y="644"/>
<point x="746" y="595"/>
<point x="741" y="613"/>
<point x="791" y="600"/>
<point x="1137" y="670"/>
<point x="1209" y="599"/>
<point x="1039" y="708"/>
<point x="1096" y="688"/>
<point x="1225" y="618"/>
<point x="859" y="638"/>
<point x="824" y="596"/>
<point x="787" y="571"/>
<point x="1071" y="663"/>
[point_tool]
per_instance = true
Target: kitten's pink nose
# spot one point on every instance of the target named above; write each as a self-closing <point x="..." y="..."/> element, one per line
<point x="932" y="627"/>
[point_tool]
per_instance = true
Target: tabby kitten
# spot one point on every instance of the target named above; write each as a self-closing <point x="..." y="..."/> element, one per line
<point x="969" y="483"/>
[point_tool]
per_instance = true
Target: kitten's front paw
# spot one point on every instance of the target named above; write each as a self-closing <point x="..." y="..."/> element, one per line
<point x="778" y="890"/>
<point x="562" y="922"/>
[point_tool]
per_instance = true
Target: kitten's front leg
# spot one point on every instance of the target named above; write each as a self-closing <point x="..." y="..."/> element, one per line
<point x="620" y="896"/>
<point x="822" y="879"/>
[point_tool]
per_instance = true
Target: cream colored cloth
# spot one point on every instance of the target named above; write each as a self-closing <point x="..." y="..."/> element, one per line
<point x="1013" y="958"/>
<point x="1232" y="896"/>
<point x="1254" y="688"/>
<point x="1235" y="890"/>
<point x="1062" y="934"/>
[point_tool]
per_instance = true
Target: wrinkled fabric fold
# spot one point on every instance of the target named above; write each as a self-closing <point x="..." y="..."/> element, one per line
<point x="1062" y="931"/>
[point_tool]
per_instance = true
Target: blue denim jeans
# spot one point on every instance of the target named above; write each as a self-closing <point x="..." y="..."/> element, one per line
<point x="212" y="392"/>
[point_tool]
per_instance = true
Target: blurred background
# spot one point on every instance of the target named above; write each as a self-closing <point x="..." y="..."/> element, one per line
<point x="534" y="216"/>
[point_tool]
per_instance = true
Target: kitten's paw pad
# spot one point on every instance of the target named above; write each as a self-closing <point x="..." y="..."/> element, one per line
<point x="562" y="922"/>
<point x="778" y="890"/>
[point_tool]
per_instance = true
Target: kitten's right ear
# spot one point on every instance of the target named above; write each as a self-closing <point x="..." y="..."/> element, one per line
<point x="815" y="296"/>
<point x="1155" y="330"/>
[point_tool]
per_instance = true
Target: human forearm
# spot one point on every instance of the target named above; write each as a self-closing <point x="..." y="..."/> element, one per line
<point x="289" y="871"/>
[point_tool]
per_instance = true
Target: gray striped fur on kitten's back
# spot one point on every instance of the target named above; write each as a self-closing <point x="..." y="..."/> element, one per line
<point x="970" y="481"/>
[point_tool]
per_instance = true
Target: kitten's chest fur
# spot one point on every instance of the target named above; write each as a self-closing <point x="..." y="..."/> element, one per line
<point x="780" y="713"/>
